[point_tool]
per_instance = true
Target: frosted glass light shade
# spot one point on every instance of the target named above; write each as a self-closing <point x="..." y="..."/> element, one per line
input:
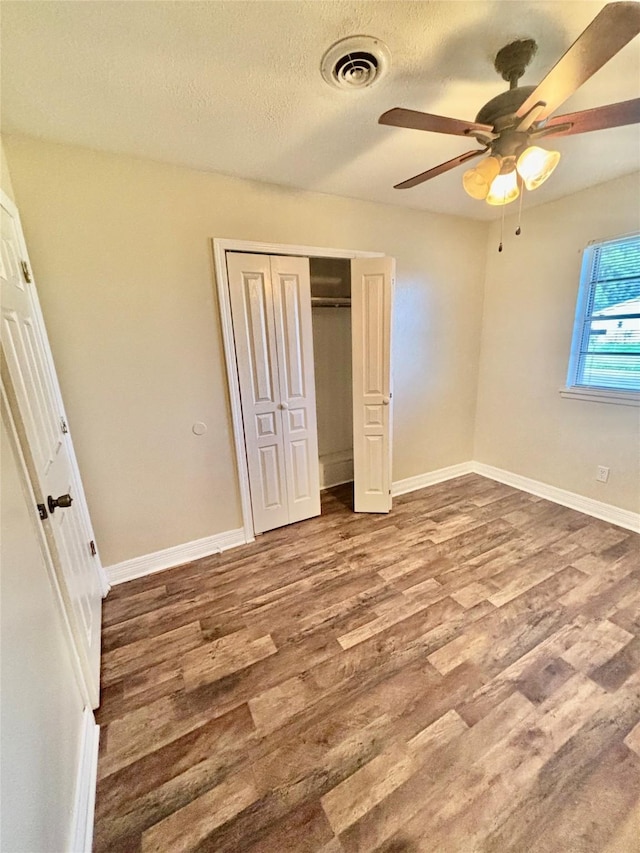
<point x="504" y="189"/>
<point x="477" y="181"/>
<point x="535" y="165"/>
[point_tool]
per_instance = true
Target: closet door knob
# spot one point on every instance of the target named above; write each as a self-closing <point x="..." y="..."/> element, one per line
<point x="385" y="401"/>
<point x="283" y="405"/>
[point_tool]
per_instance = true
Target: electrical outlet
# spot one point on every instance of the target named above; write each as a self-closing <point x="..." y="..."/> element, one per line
<point x="602" y="474"/>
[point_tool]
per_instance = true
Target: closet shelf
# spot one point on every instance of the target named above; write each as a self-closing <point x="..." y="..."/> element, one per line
<point x="330" y="302"/>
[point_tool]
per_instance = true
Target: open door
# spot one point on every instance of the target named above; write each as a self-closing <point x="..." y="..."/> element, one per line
<point x="28" y="366"/>
<point x="372" y="281"/>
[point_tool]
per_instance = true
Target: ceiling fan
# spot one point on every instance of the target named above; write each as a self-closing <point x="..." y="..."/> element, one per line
<point x="509" y="125"/>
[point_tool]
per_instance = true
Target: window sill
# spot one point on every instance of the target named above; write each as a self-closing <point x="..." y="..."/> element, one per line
<point x="601" y="395"/>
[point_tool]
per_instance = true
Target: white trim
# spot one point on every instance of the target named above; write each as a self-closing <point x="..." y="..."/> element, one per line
<point x="86" y="781"/>
<point x="222" y="245"/>
<point x="589" y="506"/>
<point x="254" y="246"/>
<point x="179" y="554"/>
<point x="148" y="564"/>
<point x="421" y="481"/>
<point x="601" y="395"/>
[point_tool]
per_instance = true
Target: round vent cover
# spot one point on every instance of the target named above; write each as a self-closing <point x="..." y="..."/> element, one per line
<point x="355" y="62"/>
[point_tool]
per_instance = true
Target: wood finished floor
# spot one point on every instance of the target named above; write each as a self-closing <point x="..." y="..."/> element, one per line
<point x="460" y="675"/>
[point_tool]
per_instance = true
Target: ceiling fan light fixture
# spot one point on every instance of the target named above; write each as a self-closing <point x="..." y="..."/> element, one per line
<point x="504" y="188"/>
<point x="477" y="181"/>
<point x="535" y="164"/>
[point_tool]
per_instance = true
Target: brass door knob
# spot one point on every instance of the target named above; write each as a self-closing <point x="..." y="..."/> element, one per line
<point x="63" y="501"/>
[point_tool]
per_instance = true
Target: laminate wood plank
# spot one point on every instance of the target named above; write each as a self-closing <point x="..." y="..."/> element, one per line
<point x="632" y="740"/>
<point x="353" y="798"/>
<point x="218" y="742"/>
<point x="435" y="782"/>
<point x="133" y="657"/>
<point x="224" y="656"/>
<point x="613" y="673"/>
<point x="570" y="770"/>
<point x="135" y="605"/>
<point x="460" y="675"/>
<point x="598" y="645"/>
<point x="185" y="828"/>
<point x="499" y="779"/>
<point x="305" y="830"/>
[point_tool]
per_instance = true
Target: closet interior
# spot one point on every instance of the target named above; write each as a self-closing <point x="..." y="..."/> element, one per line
<point x="331" y="321"/>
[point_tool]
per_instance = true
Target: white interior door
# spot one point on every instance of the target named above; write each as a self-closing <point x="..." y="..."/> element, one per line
<point x="271" y="311"/>
<point x="372" y="281"/>
<point x="255" y="336"/>
<point x="291" y="287"/>
<point x="27" y="359"/>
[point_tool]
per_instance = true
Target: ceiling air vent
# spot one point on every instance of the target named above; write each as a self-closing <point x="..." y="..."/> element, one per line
<point x="355" y="62"/>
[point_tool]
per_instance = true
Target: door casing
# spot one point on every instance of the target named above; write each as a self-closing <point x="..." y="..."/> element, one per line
<point x="220" y="247"/>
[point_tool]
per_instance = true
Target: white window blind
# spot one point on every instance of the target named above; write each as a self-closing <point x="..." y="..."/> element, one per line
<point x="606" y="341"/>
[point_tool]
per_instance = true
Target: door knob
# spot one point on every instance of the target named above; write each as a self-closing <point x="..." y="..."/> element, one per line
<point x="283" y="406"/>
<point x="385" y="401"/>
<point x="63" y="501"/>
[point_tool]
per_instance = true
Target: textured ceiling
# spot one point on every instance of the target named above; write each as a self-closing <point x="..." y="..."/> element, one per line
<point x="235" y="87"/>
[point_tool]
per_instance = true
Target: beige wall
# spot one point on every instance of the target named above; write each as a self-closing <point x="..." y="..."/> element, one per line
<point x="334" y="388"/>
<point x="121" y="254"/>
<point x="523" y="424"/>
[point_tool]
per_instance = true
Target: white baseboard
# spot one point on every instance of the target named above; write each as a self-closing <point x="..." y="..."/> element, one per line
<point x="177" y="555"/>
<point x="86" y="781"/>
<point x="606" y="512"/>
<point x="421" y="481"/>
<point x="336" y="469"/>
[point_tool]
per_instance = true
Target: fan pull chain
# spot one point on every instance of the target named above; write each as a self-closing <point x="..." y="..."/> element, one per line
<point x="519" y="229"/>
<point x="502" y="227"/>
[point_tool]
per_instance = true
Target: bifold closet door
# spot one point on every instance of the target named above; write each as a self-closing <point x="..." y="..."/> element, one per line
<point x="372" y="281"/>
<point x="271" y="310"/>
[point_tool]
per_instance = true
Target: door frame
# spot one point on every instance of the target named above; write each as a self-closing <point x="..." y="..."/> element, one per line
<point x="221" y="246"/>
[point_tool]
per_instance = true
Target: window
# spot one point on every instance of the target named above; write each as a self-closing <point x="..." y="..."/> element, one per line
<point x="605" y="353"/>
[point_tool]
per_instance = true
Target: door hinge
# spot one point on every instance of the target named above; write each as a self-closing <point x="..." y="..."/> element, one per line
<point x="25" y="272"/>
<point x="63" y="426"/>
<point x="92" y="547"/>
<point x="42" y="511"/>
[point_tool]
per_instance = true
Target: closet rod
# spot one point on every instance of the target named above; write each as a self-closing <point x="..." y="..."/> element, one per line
<point x="330" y="302"/>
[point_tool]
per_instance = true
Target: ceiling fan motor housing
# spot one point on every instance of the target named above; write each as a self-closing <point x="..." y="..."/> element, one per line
<point x="500" y="111"/>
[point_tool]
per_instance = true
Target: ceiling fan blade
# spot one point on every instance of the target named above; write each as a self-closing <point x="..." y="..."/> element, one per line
<point x="438" y="170"/>
<point x="599" y="118"/>
<point x="611" y="29"/>
<point x="415" y="120"/>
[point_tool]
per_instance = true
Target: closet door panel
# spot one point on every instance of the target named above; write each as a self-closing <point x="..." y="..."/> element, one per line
<point x="294" y="342"/>
<point x="371" y="301"/>
<point x="257" y="358"/>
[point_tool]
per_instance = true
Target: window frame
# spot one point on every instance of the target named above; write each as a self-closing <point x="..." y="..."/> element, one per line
<point x="581" y="391"/>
